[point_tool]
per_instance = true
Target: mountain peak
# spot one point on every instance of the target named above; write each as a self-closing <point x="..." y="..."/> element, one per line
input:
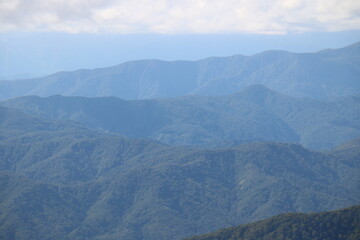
<point x="353" y="49"/>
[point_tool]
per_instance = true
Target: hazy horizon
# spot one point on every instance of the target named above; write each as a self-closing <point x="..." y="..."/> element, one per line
<point x="39" y="38"/>
<point x="36" y="54"/>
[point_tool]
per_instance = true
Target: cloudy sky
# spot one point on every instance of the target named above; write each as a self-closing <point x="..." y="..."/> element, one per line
<point x="179" y="16"/>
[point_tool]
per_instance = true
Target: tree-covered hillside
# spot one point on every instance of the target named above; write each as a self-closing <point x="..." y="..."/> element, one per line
<point x="72" y="183"/>
<point x="336" y="225"/>
<point x="254" y="114"/>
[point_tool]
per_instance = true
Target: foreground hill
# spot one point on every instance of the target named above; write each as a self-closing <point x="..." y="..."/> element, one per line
<point x="316" y="75"/>
<point x="57" y="183"/>
<point x="337" y="225"/>
<point x="254" y="114"/>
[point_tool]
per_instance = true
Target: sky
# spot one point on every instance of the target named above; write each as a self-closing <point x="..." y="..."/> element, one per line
<point x="179" y="16"/>
<point x="39" y="37"/>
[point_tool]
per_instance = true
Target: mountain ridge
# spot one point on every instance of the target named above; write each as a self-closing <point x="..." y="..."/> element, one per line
<point x="255" y="113"/>
<point x="315" y="75"/>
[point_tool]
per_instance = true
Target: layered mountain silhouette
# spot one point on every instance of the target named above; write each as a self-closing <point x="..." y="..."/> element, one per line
<point x="253" y="114"/>
<point x="336" y="225"/>
<point x="164" y="150"/>
<point x="62" y="181"/>
<point x="317" y="75"/>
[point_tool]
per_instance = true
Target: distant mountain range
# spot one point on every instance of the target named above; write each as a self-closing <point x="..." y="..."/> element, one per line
<point x="59" y="180"/>
<point x="337" y="225"/>
<point x="253" y="114"/>
<point x="317" y="75"/>
<point x="130" y="152"/>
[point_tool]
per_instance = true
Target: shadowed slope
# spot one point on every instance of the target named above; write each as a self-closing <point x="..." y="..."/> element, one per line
<point x="337" y="225"/>
<point x="254" y="114"/>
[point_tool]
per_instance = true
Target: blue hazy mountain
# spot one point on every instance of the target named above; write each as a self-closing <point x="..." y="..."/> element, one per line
<point x="61" y="181"/>
<point x="316" y="75"/>
<point x="253" y="114"/>
<point x="34" y="54"/>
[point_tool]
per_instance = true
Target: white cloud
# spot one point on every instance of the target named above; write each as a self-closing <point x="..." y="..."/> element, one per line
<point x="292" y="4"/>
<point x="180" y="16"/>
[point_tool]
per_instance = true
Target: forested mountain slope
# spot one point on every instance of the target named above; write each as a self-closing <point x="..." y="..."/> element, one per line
<point x="71" y="183"/>
<point x="253" y="114"/>
<point x="337" y="225"/>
